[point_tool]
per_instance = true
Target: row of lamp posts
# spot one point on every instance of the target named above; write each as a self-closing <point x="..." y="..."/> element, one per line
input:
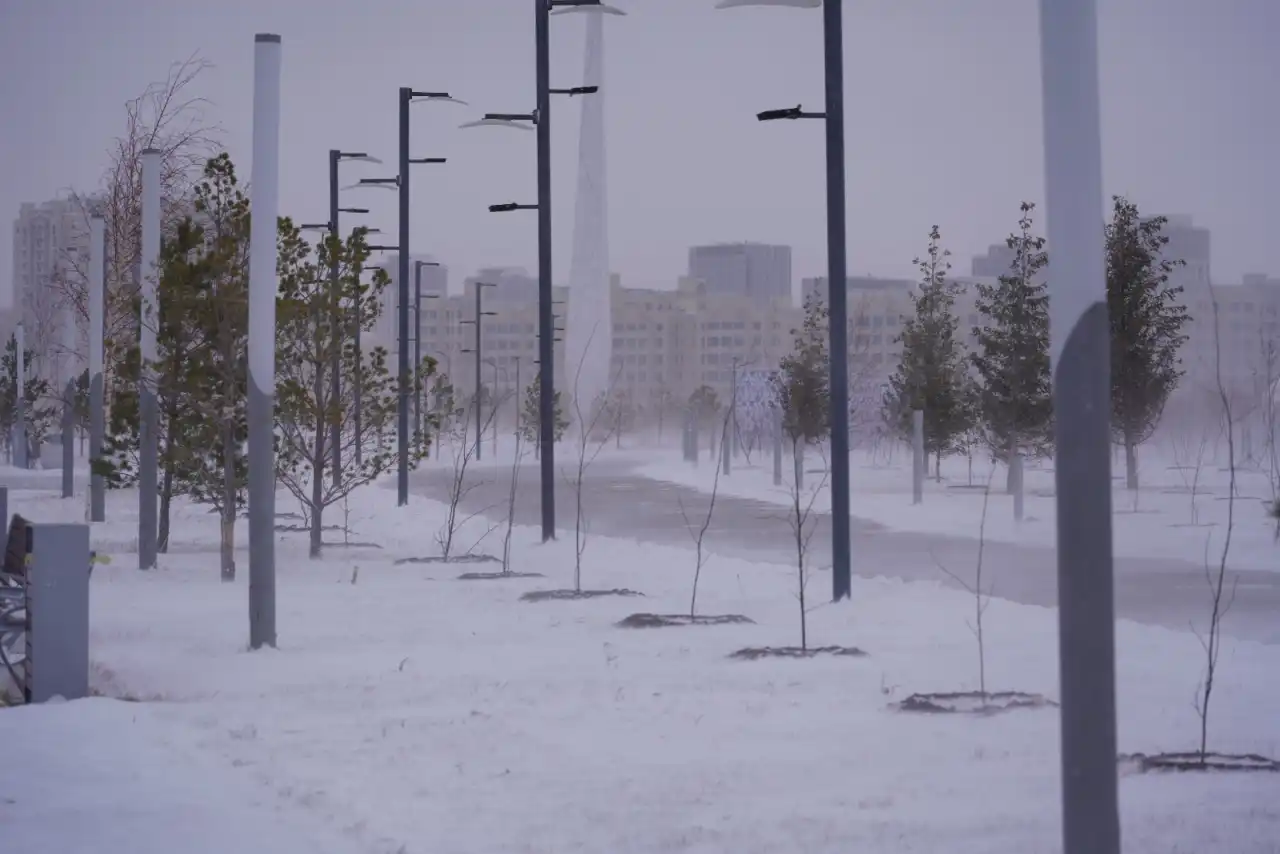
<point x="1079" y="337"/>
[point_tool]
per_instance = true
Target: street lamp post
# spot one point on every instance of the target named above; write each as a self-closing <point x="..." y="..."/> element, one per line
<point x="1079" y="335"/>
<point x="336" y="156"/>
<point x="555" y="330"/>
<point x="837" y="302"/>
<point x="493" y="430"/>
<point x="149" y="320"/>
<point x="540" y="120"/>
<point x="263" y="287"/>
<point x="479" y="353"/>
<point x="407" y="96"/>
<point x="417" y="336"/>
<point x="97" y="398"/>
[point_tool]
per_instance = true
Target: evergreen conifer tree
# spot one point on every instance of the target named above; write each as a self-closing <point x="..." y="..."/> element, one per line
<point x="1147" y="320"/>
<point x="1014" y="399"/>
<point x="316" y="324"/>
<point x="531" y="414"/>
<point x="40" y="413"/>
<point x="803" y="380"/>
<point x="932" y="373"/>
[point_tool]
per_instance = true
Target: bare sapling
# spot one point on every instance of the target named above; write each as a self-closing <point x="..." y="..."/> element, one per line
<point x="1221" y="598"/>
<point x="981" y="595"/>
<point x="698" y="528"/>
<point x="803" y="526"/>
<point x="1271" y="425"/>
<point x="1188" y="458"/>
<point x="595" y="429"/>
<point x="462" y="447"/>
<point x="517" y="455"/>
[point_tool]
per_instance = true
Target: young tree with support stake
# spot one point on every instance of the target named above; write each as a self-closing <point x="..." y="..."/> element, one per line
<point x="315" y="322"/>
<point x="201" y="372"/>
<point x="182" y="267"/>
<point x="803" y="389"/>
<point x="1147" y="321"/>
<point x="214" y="428"/>
<point x="931" y="376"/>
<point x="1014" y="399"/>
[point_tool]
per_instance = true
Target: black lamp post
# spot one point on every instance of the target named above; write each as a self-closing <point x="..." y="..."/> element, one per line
<point x="336" y="156"/>
<point x="417" y="336"/>
<point x="540" y="120"/>
<point x="506" y="378"/>
<point x="407" y="96"/>
<point x="478" y="350"/>
<point x="837" y="295"/>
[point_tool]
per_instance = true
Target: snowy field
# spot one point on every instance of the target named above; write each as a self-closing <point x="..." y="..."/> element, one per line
<point x="408" y="711"/>
<point x="1180" y="509"/>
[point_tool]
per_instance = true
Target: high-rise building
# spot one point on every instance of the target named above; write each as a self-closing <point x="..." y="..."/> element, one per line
<point x="50" y="243"/>
<point x="757" y="271"/>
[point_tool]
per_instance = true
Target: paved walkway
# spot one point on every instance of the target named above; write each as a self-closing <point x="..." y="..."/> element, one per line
<point x="1162" y="592"/>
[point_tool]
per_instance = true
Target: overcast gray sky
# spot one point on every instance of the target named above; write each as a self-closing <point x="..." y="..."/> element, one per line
<point x="943" y="117"/>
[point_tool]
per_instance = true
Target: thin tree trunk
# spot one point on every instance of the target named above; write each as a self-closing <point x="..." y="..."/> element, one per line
<point x="317" y="497"/>
<point x="1010" y="475"/>
<point x="166" y="502"/>
<point x="228" y="503"/>
<point x="1130" y="463"/>
<point x="797" y="454"/>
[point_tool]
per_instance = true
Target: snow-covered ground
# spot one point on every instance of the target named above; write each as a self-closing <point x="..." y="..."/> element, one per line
<point x="407" y="711"/>
<point x="99" y="775"/>
<point x="1162" y="519"/>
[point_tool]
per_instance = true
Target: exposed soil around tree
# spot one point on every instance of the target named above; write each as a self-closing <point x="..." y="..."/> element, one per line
<point x="754" y="653"/>
<point x="1192" y="762"/>
<point x="464" y="559"/>
<point x="497" y="576"/>
<point x="973" y="702"/>
<point x="658" y="621"/>
<point x="555" y="595"/>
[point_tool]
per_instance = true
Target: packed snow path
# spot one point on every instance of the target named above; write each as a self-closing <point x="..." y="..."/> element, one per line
<point x="103" y="776"/>
<point x="1156" y="591"/>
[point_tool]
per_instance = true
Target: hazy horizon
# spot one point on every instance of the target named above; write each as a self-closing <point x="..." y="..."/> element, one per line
<point x="943" y="119"/>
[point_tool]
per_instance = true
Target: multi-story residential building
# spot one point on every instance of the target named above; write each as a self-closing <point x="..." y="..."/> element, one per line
<point x="509" y="338"/>
<point x="757" y="271"/>
<point x="667" y="343"/>
<point x="648" y="337"/>
<point x="724" y="334"/>
<point x="435" y="284"/>
<point x="50" y="241"/>
<point x="876" y="307"/>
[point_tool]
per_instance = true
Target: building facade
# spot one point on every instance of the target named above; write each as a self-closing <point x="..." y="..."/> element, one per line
<point x="50" y="247"/>
<point x="666" y="343"/>
<point x="756" y="271"/>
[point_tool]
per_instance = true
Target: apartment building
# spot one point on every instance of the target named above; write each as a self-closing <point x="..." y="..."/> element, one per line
<point x="668" y="342"/>
<point x="424" y="271"/>
<point x="757" y="271"/>
<point x="649" y="344"/>
<point x="50" y="242"/>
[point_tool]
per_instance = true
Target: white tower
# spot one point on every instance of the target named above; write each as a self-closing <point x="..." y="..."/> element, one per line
<point x="589" y="331"/>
